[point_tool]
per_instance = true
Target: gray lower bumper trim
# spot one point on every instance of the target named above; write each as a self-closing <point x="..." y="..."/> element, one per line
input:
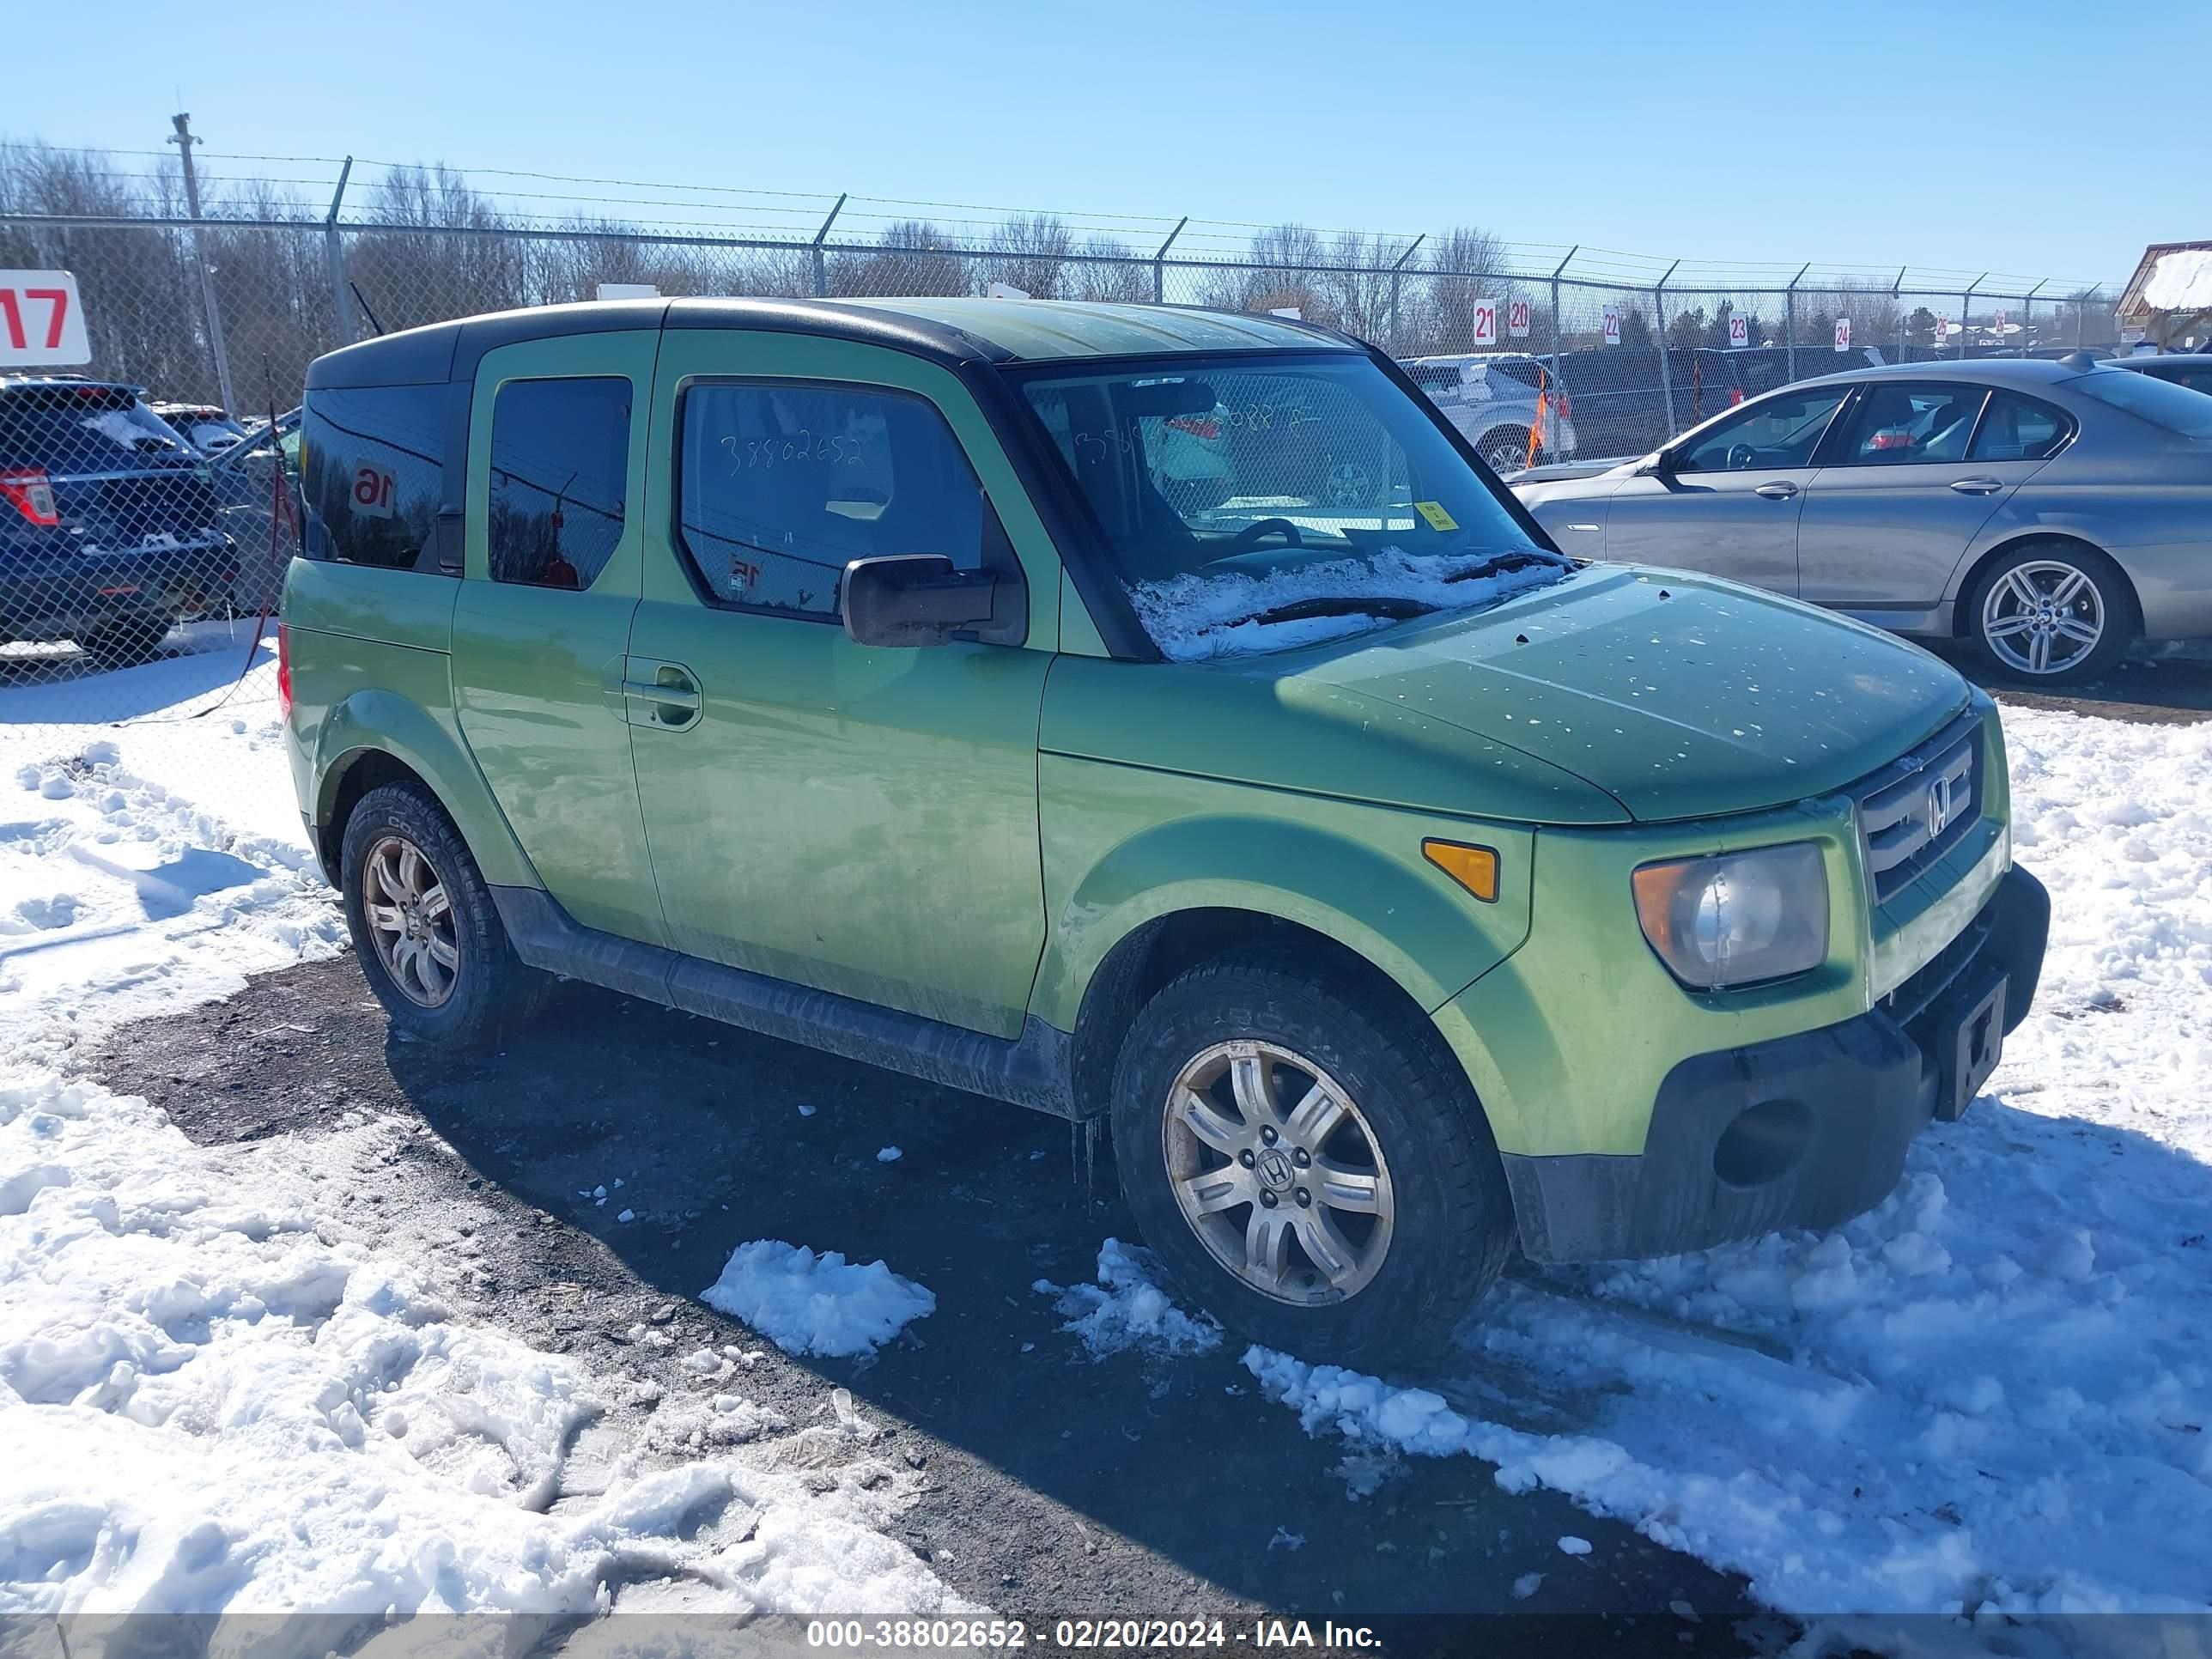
<point x="1032" y="1070"/>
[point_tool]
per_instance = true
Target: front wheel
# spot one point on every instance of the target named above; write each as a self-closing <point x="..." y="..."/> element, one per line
<point x="432" y="945"/>
<point x="1504" y="452"/>
<point x="2054" y="612"/>
<point x="1307" y="1162"/>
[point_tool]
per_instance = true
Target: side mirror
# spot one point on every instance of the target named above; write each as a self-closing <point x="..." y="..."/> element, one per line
<point x="914" y="599"/>
<point x="1660" y="464"/>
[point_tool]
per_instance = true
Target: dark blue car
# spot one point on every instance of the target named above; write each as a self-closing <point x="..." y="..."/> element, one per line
<point x="109" y="533"/>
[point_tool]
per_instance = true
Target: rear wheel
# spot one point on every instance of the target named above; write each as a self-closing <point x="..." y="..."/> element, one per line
<point x="126" y="642"/>
<point x="1505" y="450"/>
<point x="2053" y="612"/>
<point x="1307" y="1162"/>
<point x="432" y="945"/>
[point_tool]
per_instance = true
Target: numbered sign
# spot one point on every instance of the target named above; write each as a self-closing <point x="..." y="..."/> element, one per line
<point x="2000" y="327"/>
<point x="1943" y="330"/>
<point x="1005" y="291"/>
<point x="1612" y="324"/>
<point x="41" y="323"/>
<point x="1739" y="329"/>
<point x="1843" y="334"/>
<point x="1516" y="319"/>
<point x="1485" y="322"/>
<point x="373" y="490"/>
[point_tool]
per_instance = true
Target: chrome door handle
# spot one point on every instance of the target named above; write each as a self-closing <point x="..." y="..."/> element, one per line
<point x="1780" y="490"/>
<point x="1977" y="486"/>
<point x="670" y="698"/>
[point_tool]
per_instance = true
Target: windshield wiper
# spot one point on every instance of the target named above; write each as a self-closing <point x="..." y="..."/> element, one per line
<point x="1378" y="604"/>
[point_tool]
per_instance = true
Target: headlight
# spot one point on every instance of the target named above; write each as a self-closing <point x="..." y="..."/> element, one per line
<point x="1737" y="919"/>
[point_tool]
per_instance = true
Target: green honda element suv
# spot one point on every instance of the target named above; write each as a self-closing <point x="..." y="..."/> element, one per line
<point x="1400" y="890"/>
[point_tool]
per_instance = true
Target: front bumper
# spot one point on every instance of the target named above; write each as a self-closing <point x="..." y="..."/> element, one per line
<point x="1804" y="1131"/>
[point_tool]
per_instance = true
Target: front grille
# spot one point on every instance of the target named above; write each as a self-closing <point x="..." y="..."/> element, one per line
<point x="1920" y="805"/>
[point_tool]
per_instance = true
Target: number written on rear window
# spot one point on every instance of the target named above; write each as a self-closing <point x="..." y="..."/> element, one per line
<point x="373" y="474"/>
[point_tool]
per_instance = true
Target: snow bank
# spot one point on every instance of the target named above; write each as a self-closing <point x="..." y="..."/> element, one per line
<point x="1994" y="1392"/>
<point x="217" y="1394"/>
<point x="1195" y="616"/>
<point x="816" y="1305"/>
<point x="1126" y="1309"/>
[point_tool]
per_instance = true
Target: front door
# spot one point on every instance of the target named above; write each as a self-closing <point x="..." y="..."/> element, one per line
<point x="1727" y="501"/>
<point x="1921" y="467"/>
<point x="542" y="619"/>
<point x="861" y="820"/>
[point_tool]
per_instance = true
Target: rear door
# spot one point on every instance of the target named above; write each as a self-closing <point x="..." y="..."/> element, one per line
<point x="1726" y="502"/>
<point x="1916" y="471"/>
<point x="557" y="454"/>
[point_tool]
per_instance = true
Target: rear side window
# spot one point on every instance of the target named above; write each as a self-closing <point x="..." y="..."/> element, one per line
<point x="83" y="428"/>
<point x="783" y="484"/>
<point x="559" y="470"/>
<point x="2176" y="408"/>
<point x="373" y="473"/>
<point x="2020" y="429"/>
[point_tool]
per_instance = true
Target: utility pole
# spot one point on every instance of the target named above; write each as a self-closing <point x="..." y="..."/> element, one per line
<point x="183" y="139"/>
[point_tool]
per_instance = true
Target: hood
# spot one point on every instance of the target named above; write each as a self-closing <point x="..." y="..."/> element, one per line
<point x="1679" y="695"/>
<point x="1573" y="480"/>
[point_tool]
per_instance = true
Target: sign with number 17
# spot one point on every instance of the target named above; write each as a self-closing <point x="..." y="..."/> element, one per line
<point x="41" y="323"/>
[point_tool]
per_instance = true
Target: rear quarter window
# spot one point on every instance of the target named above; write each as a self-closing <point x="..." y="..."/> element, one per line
<point x="373" y="474"/>
<point x="2175" y="408"/>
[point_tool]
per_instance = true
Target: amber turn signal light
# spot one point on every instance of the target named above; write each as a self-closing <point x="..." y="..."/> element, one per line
<point x="1474" y="868"/>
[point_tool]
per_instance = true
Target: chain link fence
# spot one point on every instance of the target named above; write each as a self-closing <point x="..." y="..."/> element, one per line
<point x="142" y="538"/>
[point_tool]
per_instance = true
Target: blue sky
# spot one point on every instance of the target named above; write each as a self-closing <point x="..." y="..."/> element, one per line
<point x="2025" y="138"/>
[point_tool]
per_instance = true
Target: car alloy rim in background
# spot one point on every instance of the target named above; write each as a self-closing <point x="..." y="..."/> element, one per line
<point x="2043" y="617"/>
<point x="1277" y="1172"/>
<point x="410" y="922"/>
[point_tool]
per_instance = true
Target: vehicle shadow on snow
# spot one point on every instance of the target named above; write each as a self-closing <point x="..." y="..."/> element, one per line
<point x="1181" y="1455"/>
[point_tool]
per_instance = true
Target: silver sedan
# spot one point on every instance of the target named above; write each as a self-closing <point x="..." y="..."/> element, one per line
<point x="2053" y="512"/>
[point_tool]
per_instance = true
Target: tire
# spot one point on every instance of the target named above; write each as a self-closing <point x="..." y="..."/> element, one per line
<point x="127" y="642"/>
<point x="487" y="991"/>
<point x="1434" y="1173"/>
<point x="2098" y="599"/>
<point x="1505" y="450"/>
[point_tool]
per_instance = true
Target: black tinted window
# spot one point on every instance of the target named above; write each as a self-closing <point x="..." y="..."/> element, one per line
<point x="560" y="469"/>
<point x="372" y="473"/>
<point x="782" y="485"/>
<point x="2020" y="429"/>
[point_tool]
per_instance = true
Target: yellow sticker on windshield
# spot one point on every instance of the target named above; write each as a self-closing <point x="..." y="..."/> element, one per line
<point x="1435" y="514"/>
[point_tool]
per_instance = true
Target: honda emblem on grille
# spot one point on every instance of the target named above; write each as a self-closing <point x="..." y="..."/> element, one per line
<point x="1939" y="806"/>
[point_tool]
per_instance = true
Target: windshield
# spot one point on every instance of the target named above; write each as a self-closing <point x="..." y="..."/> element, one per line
<point x="2162" y="403"/>
<point x="1255" y="502"/>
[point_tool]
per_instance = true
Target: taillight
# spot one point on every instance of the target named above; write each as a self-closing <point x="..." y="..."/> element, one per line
<point x="28" y="491"/>
<point x="283" y="672"/>
<point x="1564" y="404"/>
<point x="1199" y="425"/>
<point x="1736" y="396"/>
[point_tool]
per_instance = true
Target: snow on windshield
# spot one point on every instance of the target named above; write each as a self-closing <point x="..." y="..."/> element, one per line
<point x="1196" y="616"/>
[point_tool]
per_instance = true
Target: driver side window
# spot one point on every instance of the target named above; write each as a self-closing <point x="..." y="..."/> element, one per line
<point x="1779" y="431"/>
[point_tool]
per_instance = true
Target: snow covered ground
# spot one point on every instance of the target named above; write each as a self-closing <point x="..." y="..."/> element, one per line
<point x="1993" y="1393"/>
<point x="216" y="1393"/>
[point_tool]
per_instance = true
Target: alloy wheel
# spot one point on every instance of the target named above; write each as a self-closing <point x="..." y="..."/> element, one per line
<point x="1277" y="1172"/>
<point x="2043" y="618"/>
<point x="411" y="921"/>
